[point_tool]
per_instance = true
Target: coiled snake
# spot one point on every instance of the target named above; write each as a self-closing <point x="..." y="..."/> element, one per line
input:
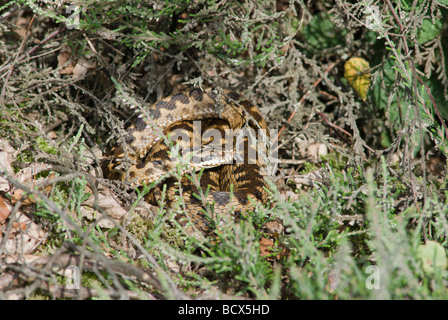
<point x="205" y="130"/>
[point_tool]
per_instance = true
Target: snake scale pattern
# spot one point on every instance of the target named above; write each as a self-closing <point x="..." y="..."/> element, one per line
<point x="195" y="125"/>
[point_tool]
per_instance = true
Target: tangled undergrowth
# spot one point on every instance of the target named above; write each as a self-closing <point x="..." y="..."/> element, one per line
<point x="358" y="180"/>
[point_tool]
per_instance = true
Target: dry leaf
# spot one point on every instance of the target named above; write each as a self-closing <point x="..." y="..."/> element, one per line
<point x="110" y="205"/>
<point x="26" y="176"/>
<point x="273" y="227"/>
<point x="72" y="65"/>
<point x="317" y="151"/>
<point x="357" y="75"/>
<point x="7" y="156"/>
<point x="65" y="64"/>
<point x="266" y="246"/>
<point x="23" y="259"/>
<point x="4" y="211"/>
<point x="310" y="149"/>
<point x="22" y="24"/>
<point x="312" y="179"/>
<point x="81" y="68"/>
<point x="24" y="237"/>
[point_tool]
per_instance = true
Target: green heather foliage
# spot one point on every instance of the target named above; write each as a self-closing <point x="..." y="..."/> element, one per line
<point x="372" y="225"/>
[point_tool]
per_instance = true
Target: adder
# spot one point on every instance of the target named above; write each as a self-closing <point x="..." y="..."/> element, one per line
<point x="217" y="133"/>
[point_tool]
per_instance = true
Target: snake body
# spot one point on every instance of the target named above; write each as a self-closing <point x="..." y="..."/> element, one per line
<point x="218" y="133"/>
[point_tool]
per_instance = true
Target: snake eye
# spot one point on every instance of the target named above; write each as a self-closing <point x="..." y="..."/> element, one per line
<point x="161" y="165"/>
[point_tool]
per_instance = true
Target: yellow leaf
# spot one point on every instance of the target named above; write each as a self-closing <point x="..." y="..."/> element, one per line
<point x="356" y="75"/>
